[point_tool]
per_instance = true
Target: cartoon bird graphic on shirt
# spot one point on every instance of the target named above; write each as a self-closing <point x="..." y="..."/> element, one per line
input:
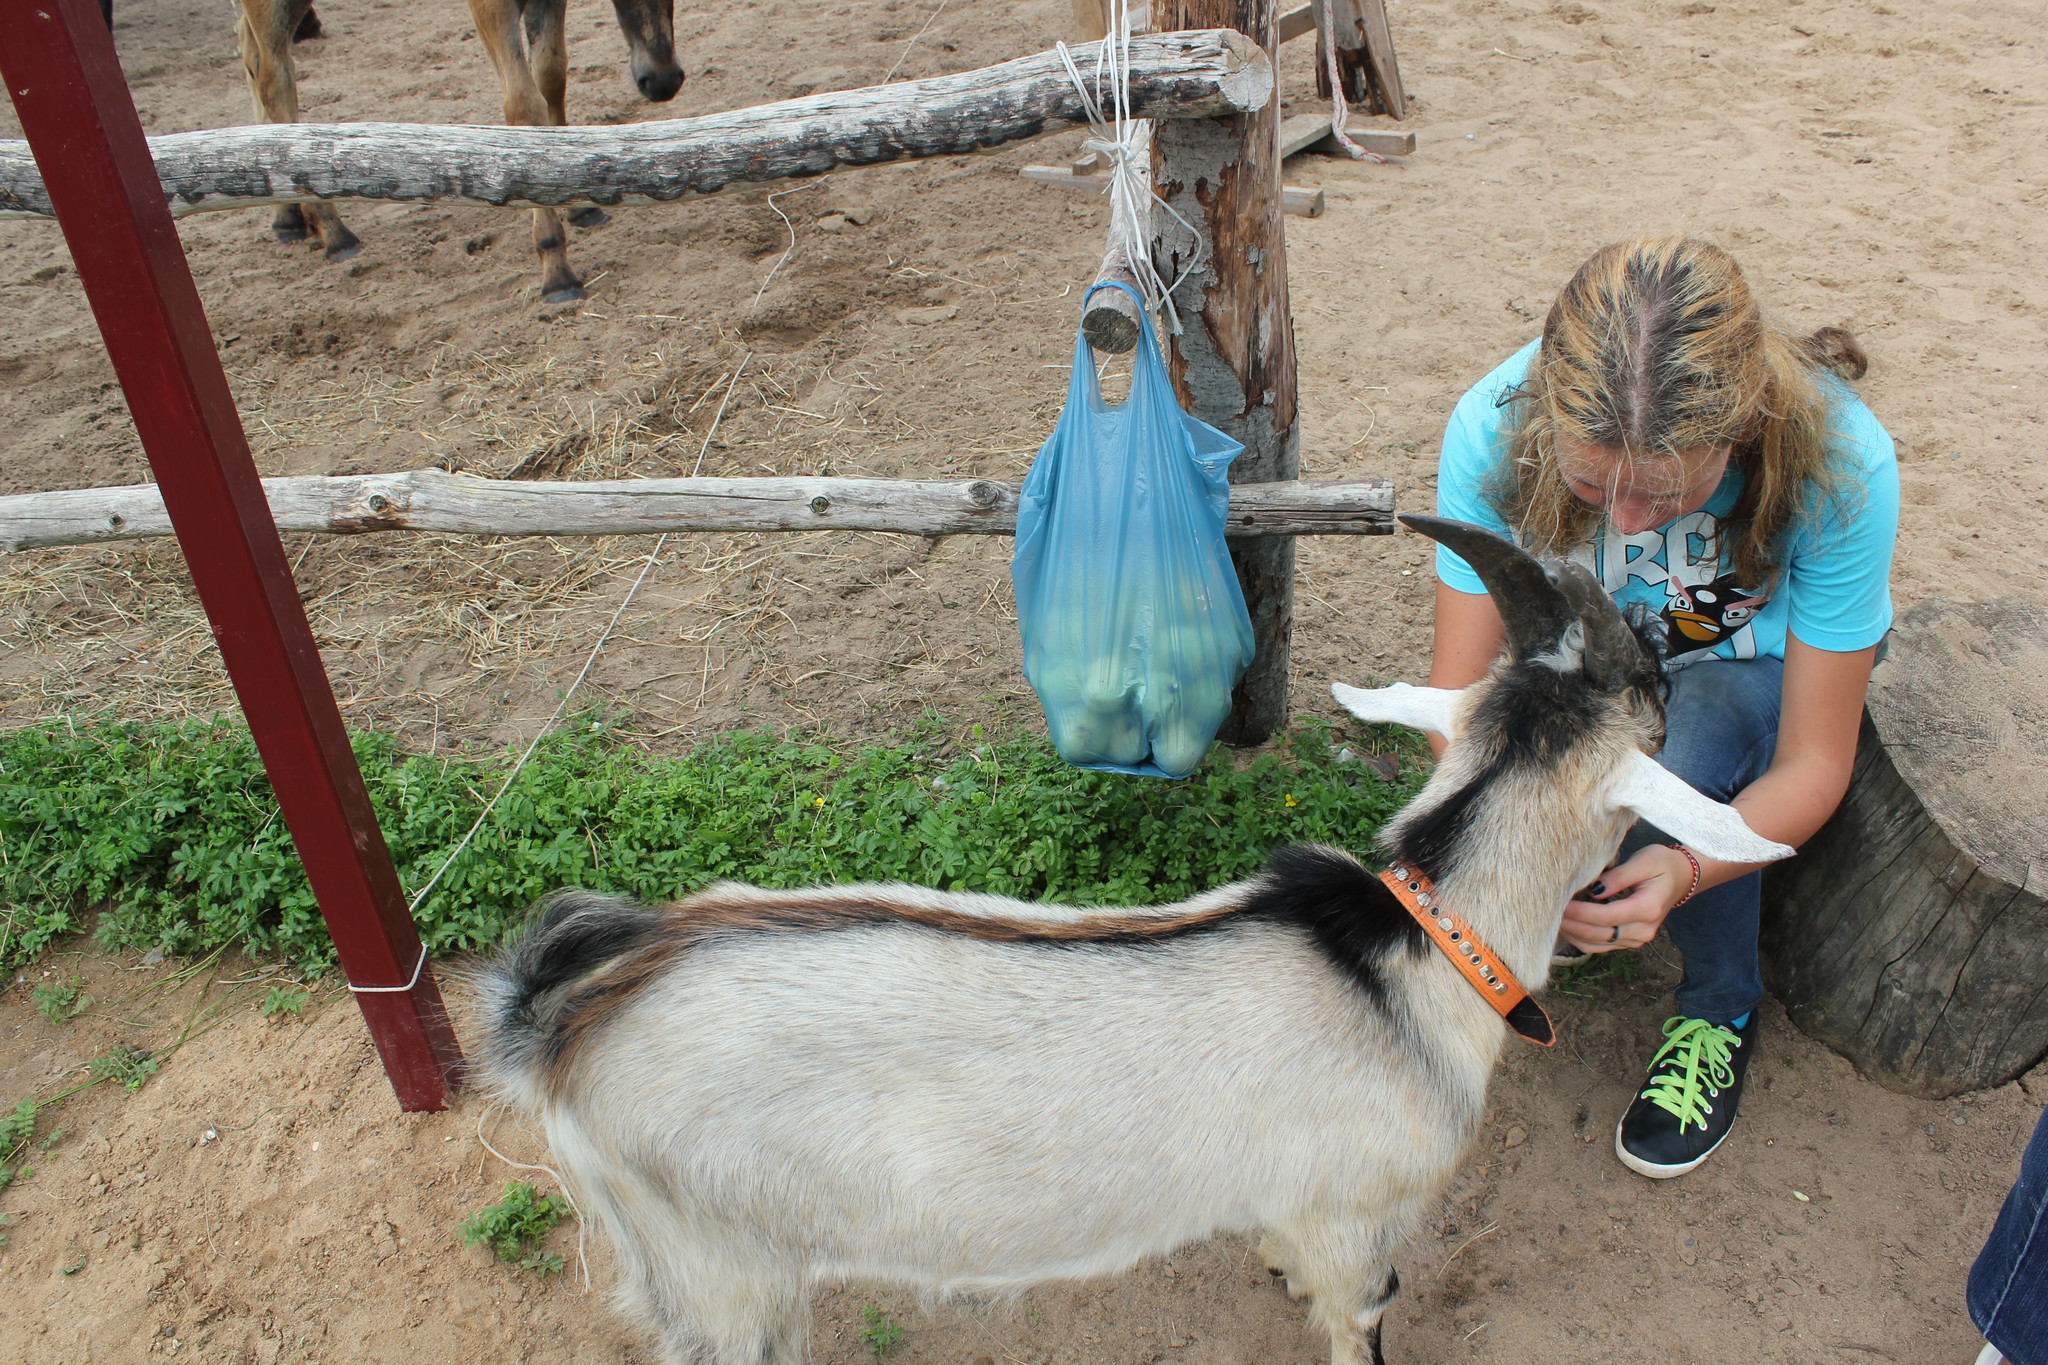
<point x="1703" y="616"/>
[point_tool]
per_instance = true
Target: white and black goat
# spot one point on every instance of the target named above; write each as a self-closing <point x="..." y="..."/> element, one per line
<point x="755" y="1092"/>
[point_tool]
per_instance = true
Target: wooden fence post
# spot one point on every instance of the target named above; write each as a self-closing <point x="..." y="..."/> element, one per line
<point x="58" y="60"/>
<point x="1233" y="364"/>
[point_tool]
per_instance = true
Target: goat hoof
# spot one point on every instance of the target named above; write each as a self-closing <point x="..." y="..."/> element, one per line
<point x="590" y="216"/>
<point x="564" y="293"/>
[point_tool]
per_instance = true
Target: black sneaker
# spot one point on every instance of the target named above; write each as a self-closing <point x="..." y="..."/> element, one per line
<point x="1687" y="1104"/>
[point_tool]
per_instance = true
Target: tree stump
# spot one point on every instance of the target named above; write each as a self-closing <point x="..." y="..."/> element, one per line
<point x="1911" y="934"/>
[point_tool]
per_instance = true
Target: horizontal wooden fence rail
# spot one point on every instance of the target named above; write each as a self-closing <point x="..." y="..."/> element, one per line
<point x="1173" y="76"/>
<point x="431" y="500"/>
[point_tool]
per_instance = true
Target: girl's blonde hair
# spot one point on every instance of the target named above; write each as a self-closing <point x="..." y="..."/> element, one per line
<point x="1657" y="347"/>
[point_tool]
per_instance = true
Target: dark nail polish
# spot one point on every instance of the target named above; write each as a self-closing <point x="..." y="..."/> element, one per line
<point x="1597" y="889"/>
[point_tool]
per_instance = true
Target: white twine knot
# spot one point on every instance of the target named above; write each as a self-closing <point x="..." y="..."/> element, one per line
<point x="1125" y="146"/>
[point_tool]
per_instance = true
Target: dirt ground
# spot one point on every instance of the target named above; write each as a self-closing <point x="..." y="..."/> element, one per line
<point x="1879" y="168"/>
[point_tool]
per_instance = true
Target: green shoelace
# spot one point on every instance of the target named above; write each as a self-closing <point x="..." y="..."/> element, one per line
<point x="1698" y="1069"/>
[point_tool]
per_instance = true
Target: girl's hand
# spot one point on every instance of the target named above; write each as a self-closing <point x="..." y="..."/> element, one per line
<point x="1635" y="896"/>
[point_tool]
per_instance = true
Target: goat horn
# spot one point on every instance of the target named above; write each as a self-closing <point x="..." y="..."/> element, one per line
<point x="1532" y="607"/>
<point x="1613" y="655"/>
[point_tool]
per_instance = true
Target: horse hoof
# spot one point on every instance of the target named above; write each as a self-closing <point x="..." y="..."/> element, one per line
<point x="567" y="293"/>
<point x="338" y="252"/>
<point x="590" y="216"/>
<point x="288" y="234"/>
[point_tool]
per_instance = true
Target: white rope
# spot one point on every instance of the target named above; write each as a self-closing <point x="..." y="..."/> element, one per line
<point x="1125" y="145"/>
<point x="914" y="40"/>
<point x="567" y="697"/>
<point x="731" y="384"/>
<point x="417" y="968"/>
<point x="1340" y="112"/>
<point x="784" y="257"/>
<point x="611" y="625"/>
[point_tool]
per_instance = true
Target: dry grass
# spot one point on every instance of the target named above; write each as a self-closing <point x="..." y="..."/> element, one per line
<point x="447" y="639"/>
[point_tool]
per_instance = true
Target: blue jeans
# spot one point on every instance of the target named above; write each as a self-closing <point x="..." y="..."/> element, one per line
<point x="1721" y="729"/>
<point x="2009" y="1283"/>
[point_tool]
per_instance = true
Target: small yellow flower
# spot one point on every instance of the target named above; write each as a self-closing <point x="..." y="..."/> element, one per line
<point x="1290" y="799"/>
<point x="818" y="801"/>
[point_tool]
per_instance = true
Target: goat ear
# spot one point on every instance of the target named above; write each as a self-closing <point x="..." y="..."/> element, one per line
<point x="1699" y="822"/>
<point x="1419" y="708"/>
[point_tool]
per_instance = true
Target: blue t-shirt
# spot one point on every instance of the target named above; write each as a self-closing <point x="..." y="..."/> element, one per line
<point x="1834" y="591"/>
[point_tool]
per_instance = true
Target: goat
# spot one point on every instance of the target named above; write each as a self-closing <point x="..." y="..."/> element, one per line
<point x="526" y="42"/>
<point x="753" y="1092"/>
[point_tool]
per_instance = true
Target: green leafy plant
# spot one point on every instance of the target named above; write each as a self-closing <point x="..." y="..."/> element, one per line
<point x="284" y="1000"/>
<point x="58" y="1001"/>
<point x="173" y="832"/>
<point x="131" y="1066"/>
<point x="880" y="1333"/>
<point x="1595" y="972"/>
<point x="516" y="1225"/>
<point x="17" y="1130"/>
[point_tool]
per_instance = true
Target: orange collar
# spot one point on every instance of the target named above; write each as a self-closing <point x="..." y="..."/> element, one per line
<point x="1486" y="973"/>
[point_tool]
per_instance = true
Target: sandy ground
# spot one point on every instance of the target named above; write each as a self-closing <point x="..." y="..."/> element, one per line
<point x="1873" y="167"/>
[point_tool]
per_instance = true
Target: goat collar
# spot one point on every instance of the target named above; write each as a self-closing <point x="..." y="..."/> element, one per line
<point x="1486" y="973"/>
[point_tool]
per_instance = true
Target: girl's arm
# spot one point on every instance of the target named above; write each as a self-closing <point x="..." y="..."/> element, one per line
<point x="1818" y="721"/>
<point x="1469" y="636"/>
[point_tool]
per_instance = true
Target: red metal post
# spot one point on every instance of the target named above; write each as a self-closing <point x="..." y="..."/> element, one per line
<point x="67" y="86"/>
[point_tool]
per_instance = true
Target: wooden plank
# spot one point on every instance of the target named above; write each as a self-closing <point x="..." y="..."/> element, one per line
<point x="1294" y="23"/>
<point x="59" y="64"/>
<point x="432" y="500"/>
<point x="1365" y="59"/>
<point x="1911" y="932"/>
<point x="1392" y="96"/>
<point x="1303" y="132"/>
<point x="1233" y="362"/>
<point x="1300" y="201"/>
<point x="1174" y="76"/>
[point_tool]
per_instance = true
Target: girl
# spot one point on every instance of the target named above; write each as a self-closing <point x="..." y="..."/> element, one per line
<point x="1718" y="473"/>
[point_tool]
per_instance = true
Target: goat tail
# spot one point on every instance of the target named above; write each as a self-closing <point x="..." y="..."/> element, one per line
<point x="529" y="994"/>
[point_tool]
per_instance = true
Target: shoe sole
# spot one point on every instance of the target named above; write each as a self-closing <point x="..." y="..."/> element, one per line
<point x="1652" y="1169"/>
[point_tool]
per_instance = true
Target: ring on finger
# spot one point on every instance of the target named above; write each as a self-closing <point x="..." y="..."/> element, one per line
<point x="1614" y="933"/>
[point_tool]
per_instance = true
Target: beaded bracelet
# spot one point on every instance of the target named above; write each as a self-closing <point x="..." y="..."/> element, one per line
<point x="1692" y="890"/>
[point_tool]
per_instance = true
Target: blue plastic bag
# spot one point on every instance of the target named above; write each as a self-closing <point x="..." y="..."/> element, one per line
<point x="1135" y="629"/>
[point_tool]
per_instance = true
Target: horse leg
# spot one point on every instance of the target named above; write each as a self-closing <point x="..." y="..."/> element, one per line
<point x="548" y="48"/>
<point x="264" y="34"/>
<point x="498" y="26"/>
